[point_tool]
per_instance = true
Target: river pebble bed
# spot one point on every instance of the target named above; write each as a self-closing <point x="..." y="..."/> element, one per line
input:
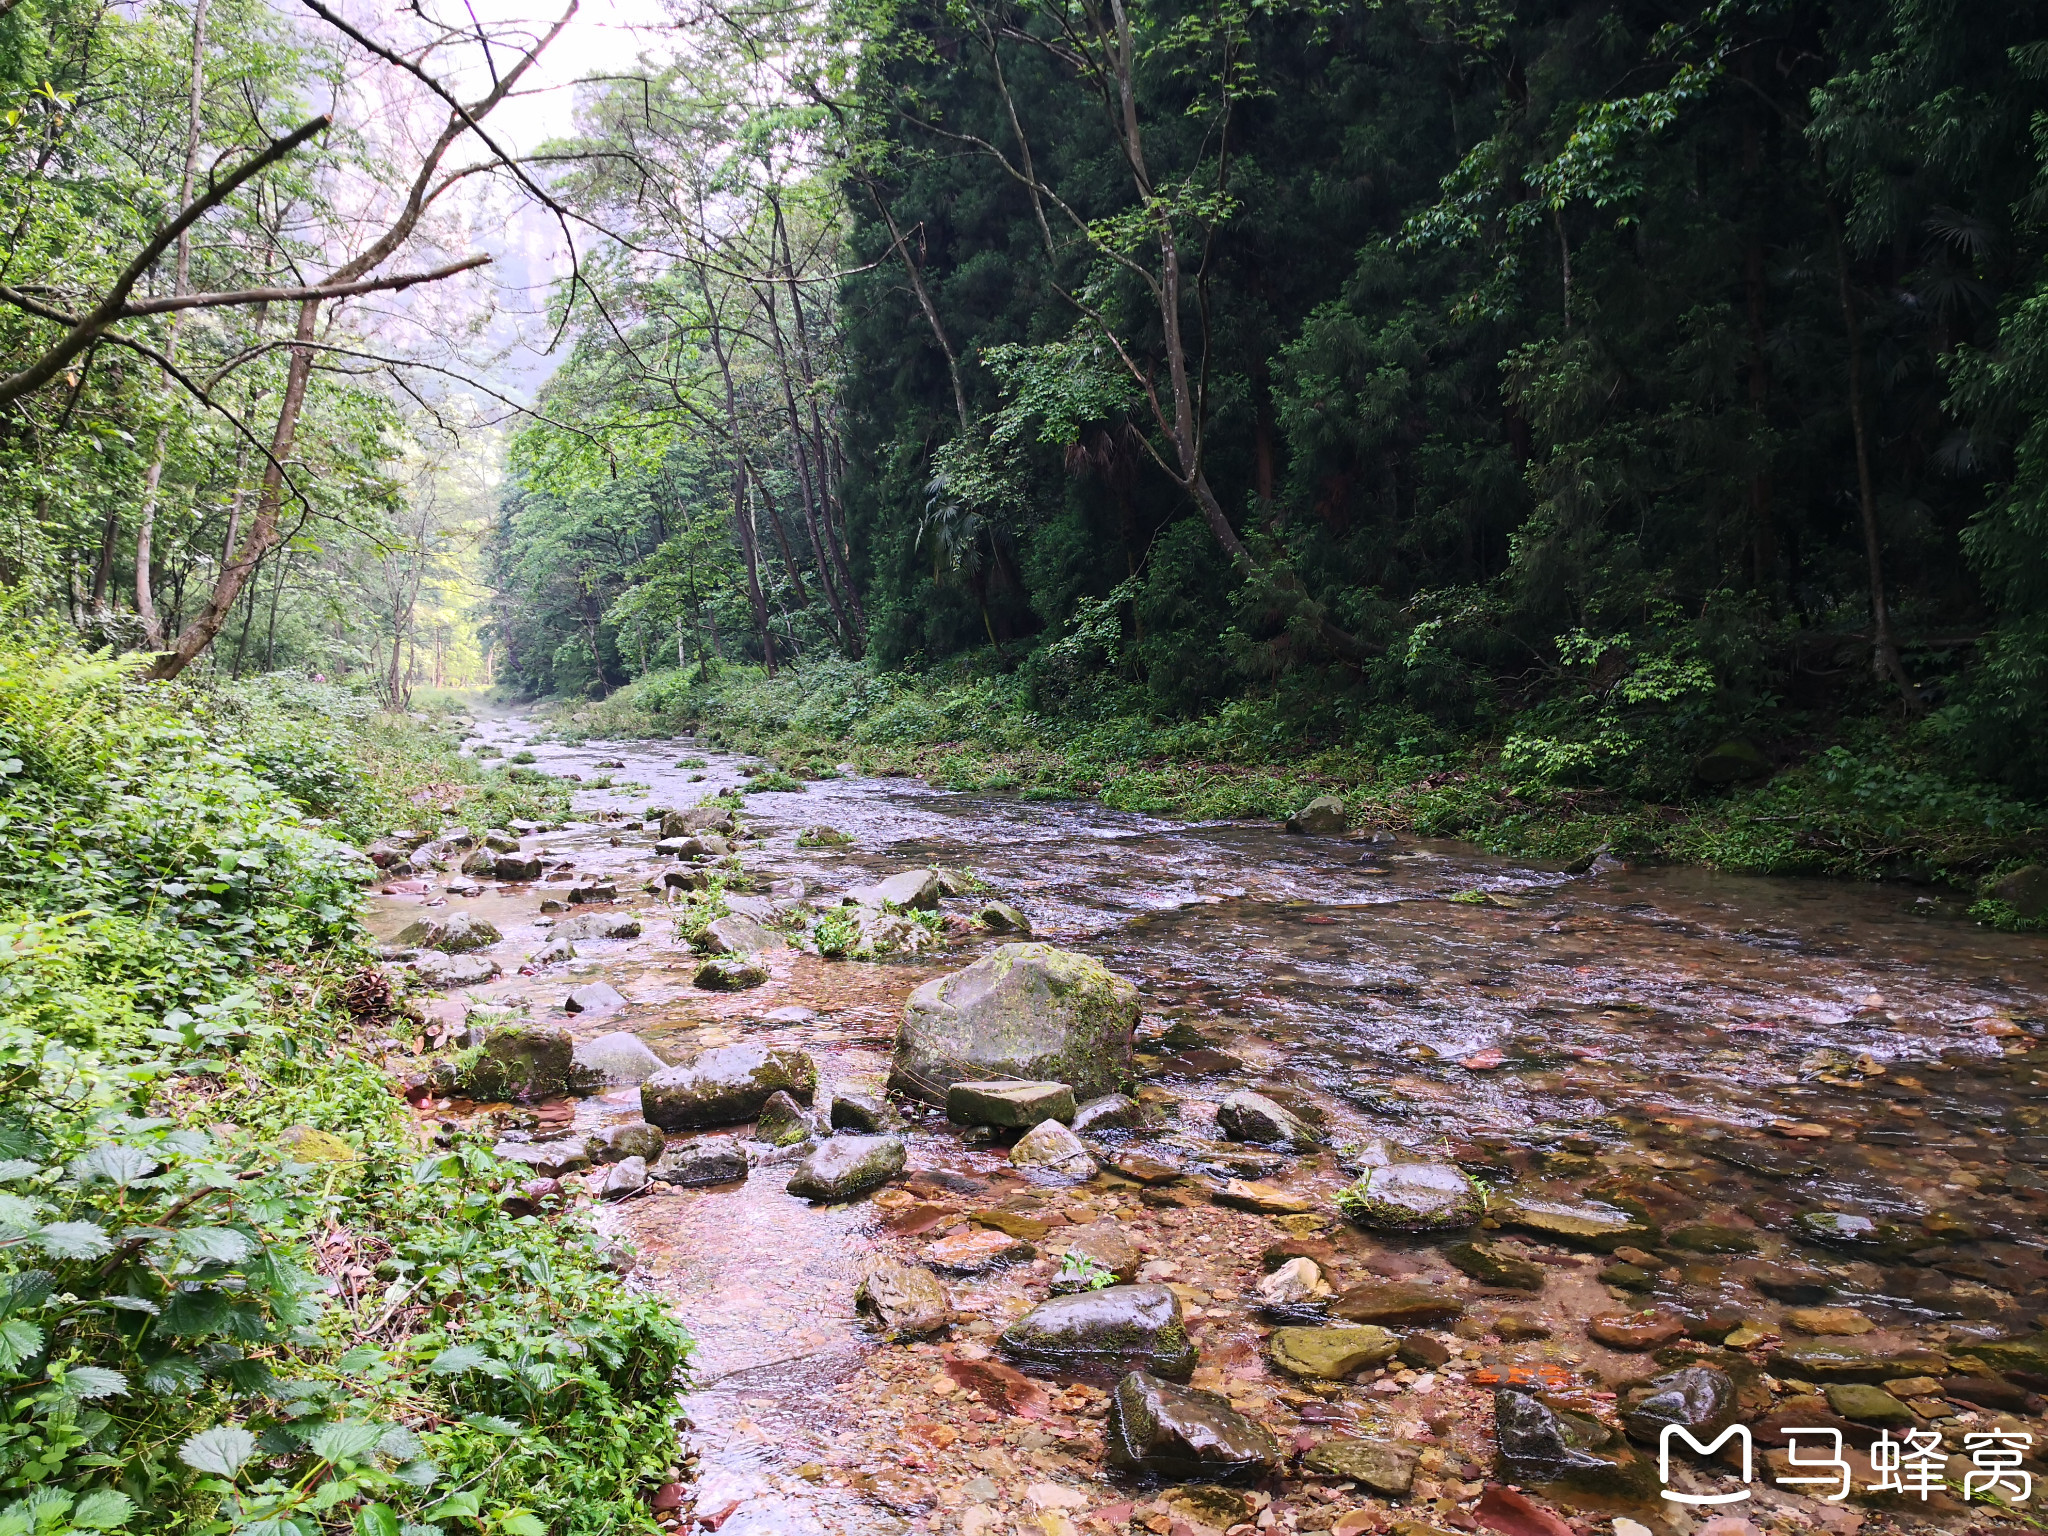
<point x="1820" y="1102"/>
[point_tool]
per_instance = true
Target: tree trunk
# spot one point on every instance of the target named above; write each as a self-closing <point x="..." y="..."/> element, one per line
<point x="742" y="518"/>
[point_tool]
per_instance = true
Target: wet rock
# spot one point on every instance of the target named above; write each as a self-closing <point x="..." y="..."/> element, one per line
<point x="1703" y="1237"/>
<point x="1051" y="1148"/>
<point x="498" y="840"/>
<point x="518" y="1061"/>
<point x="1601" y="1228"/>
<point x="1423" y="1353"/>
<point x="441" y="970"/>
<point x="725" y="1085"/>
<point x="730" y="973"/>
<point x="1518" y="1327"/>
<point x="1157" y="1427"/>
<point x="1826" y="1361"/>
<point x="557" y="951"/>
<point x="582" y="895"/>
<point x="1413" y="1197"/>
<point x="1635" y="1330"/>
<point x="864" y="1112"/>
<point x="2024" y="890"/>
<point x="1321" y="817"/>
<point x="1330" y="1354"/>
<point x="1110" y="1112"/>
<point x="1120" y="1328"/>
<point x="517" y="868"/>
<point x="1802" y="1287"/>
<point x="700" y="818"/>
<point x="971" y="1253"/>
<point x="1009" y="1104"/>
<point x="1104" y="1245"/>
<point x="1397" y="1304"/>
<point x="456" y="934"/>
<point x="626" y="1177"/>
<point x="1857" y="1233"/>
<point x="848" y="1166"/>
<point x="384" y="852"/>
<point x="1254" y="1117"/>
<point x="483" y="864"/>
<point x="1699" y="1398"/>
<point x="734" y="934"/>
<point x="617" y="1060"/>
<point x="707" y="1160"/>
<point x="1731" y="761"/>
<point x="1295" y="1285"/>
<point x="1024" y="1011"/>
<point x="636" y="1138"/>
<point x="1839" y="1322"/>
<point x="1386" y="1467"/>
<point x="1538" y="1444"/>
<point x="901" y="1301"/>
<point x="822" y="837"/>
<point x="594" y="997"/>
<point x="2029" y="1355"/>
<point x="1491" y="1264"/>
<point x="1204" y="1504"/>
<point x="1146" y="1170"/>
<point x="1861" y="1403"/>
<point x="782" y="1121"/>
<point x="1001" y="917"/>
<point x="907" y="890"/>
<point x="1260" y="1199"/>
<point x="550" y="1159"/>
<point x="1628" y="1277"/>
<point x="599" y="925"/>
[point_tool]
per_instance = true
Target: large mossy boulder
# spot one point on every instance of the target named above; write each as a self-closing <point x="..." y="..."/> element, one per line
<point x="848" y="1166"/>
<point x="456" y="934"/>
<point x="616" y="1060"/>
<point x="1414" y="1197"/>
<point x="905" y="891"/>
<point x="518" y="1061"/>
<point x="1321" y="817"/>
<point x="1108" y="1332"/>
<point x="1173" y="1431"/>
<point x="725" y="1085"/>
<point x="1023" y="1011"/>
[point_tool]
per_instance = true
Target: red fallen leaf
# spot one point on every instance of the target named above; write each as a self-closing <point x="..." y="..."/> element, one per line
<point x="1486" y="1060"/>
<point x="915" y="1219"/>
<point x="1001" y="1387"/>
<point x="1512" y="1514"/>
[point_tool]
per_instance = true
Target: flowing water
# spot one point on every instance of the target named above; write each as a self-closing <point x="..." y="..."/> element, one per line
<point x="1730" y="1051"/>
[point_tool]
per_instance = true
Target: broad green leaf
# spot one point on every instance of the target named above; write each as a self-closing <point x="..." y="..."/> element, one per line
<point x="350" y="1440"/>
<point x="457" y="1506"/>
<point x="519" y="1522"/>
<point x="24" y="1289"/>
<point x="103" y="1510"/>
<point x="19" y="1340"/>
<point x="376" y="1520"/>
<point x="115" y="1164"/>
<point x="463" y="1357"/>
<point x="221" y="1450"/>
<point x="491" y="1424"/>
<point x="421" y="1474"/>
<point x="222" y="1245"/>
<point x="88" y="1383"/>
<point x="13" y="1168"/>
<point x="73" y="1240"/>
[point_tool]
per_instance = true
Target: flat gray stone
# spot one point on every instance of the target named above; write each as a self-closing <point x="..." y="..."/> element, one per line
<point x="725" y="1085"/>
<point x="908" y="889"/>
<point x="848" y="1166"/>
<point x="636" y="1138"/>
<point x="594" y="997"/>
<point x="1050" y="1147"/>
<point x="706" y="1160"/>
<point x="1008" y="1104"/>
<point x="599" y="925"/>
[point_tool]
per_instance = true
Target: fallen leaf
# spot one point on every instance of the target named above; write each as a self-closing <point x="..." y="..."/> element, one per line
<point x="1512" y="1514"/>
<point x="1353" y="1524"/>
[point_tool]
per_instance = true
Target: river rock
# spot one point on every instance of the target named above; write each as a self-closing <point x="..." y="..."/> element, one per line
<point x="517" y="868"/>
<point x="1052" y="1148"/>
<point x="636" y="1138"/>
<point x="1825" y="1361"/>
<point x="901" y="1301"/>
<point x="1492" y="1264"/>
<point x="907" y="890"/>
<point x="1397" y="1304"/>
<point x="735" y="934"/>
<point x="616" y="1060"/>
<point x="599" y="925"/>
<point x="1413" y="1197"/>
<point x="725" y="1085"/>
<point x="707" y="1160"/>
<point x="626" y="1177"/>
<point x="1861" y="1403"/>
<point x="482" y="863"/>
<point x="1008" y="1104"/>
<point x="557" y="951"/>
<point x="1001" y="917"/>
<point x="1648" y="1329"/>
<point x="1601" y="1228"/>
<point x="822" y="837"/>
<point x="1103" y="1244"/>
<point x="2027" y="1354"/>
<point x="970" y="1253"/>
<point x="730" y="973"/>
<point x="1119" y="1328"/>
<point x="700" y="818"/>
<point x="584" y="895"/>
<point x="1174" y="1431"/>
<point x="1832" y="1322"/>
<point x="1024" y="1011"/>
<point x="1259" y="1198"/>
<point x="1295" y="1285"/>
<point x="1110" y="1112"/>
<point x="549" y="1159"/>
<point x="1330" y="1354"/>
<point x="1538" y="1444"/>
<point x="594" y="997"/>
<point x="1245" y="1116"/>
<point x="457" y="934"/>
<point x="1321" y="817"/>
<point x="518" y="1061"/>
<point x="782" y="1122"/>
<point x="1386" y="1467"/>
<point x="1699" y="1398"/>
<point x="440" y="970"/>
<point x="498" y="840"/>
<point x="847" y="1166"/>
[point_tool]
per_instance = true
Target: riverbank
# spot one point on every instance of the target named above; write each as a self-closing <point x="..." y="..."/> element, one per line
<point x="1875" y="808"/>
<point x="237" y="1290"/>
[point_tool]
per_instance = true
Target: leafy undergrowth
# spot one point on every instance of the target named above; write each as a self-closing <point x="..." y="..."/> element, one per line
<point x="236" y="1292"/>
<point x="1881" y="810"/>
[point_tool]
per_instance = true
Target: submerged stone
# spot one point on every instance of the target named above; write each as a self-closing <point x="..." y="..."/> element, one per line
<point x="1601" y="1228"/>
<point x="1491" y="1264"/>
<point x="1331" y="1354"/>
<point x="1009" y="1104"/>
<point x="1864" y="1404"/>
<point x="617" y="1060"/>
<point x="1397" y="1304"/>
<point x="1245" y="1116"/>
<point x="1699" y="1398"/>
<point x="848" y="1166"/>
<point x="901" y="1301"/>
<point x="1824" y="1362"/>
<point x="1540" y="1445"/>
<point x="1173" y="1431"/>
<point x="1117" y="1329"/>
<point x="1386" y="1467"/>
<point x="1026" y="1011"/>
<point x="1414" y="1197"/>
